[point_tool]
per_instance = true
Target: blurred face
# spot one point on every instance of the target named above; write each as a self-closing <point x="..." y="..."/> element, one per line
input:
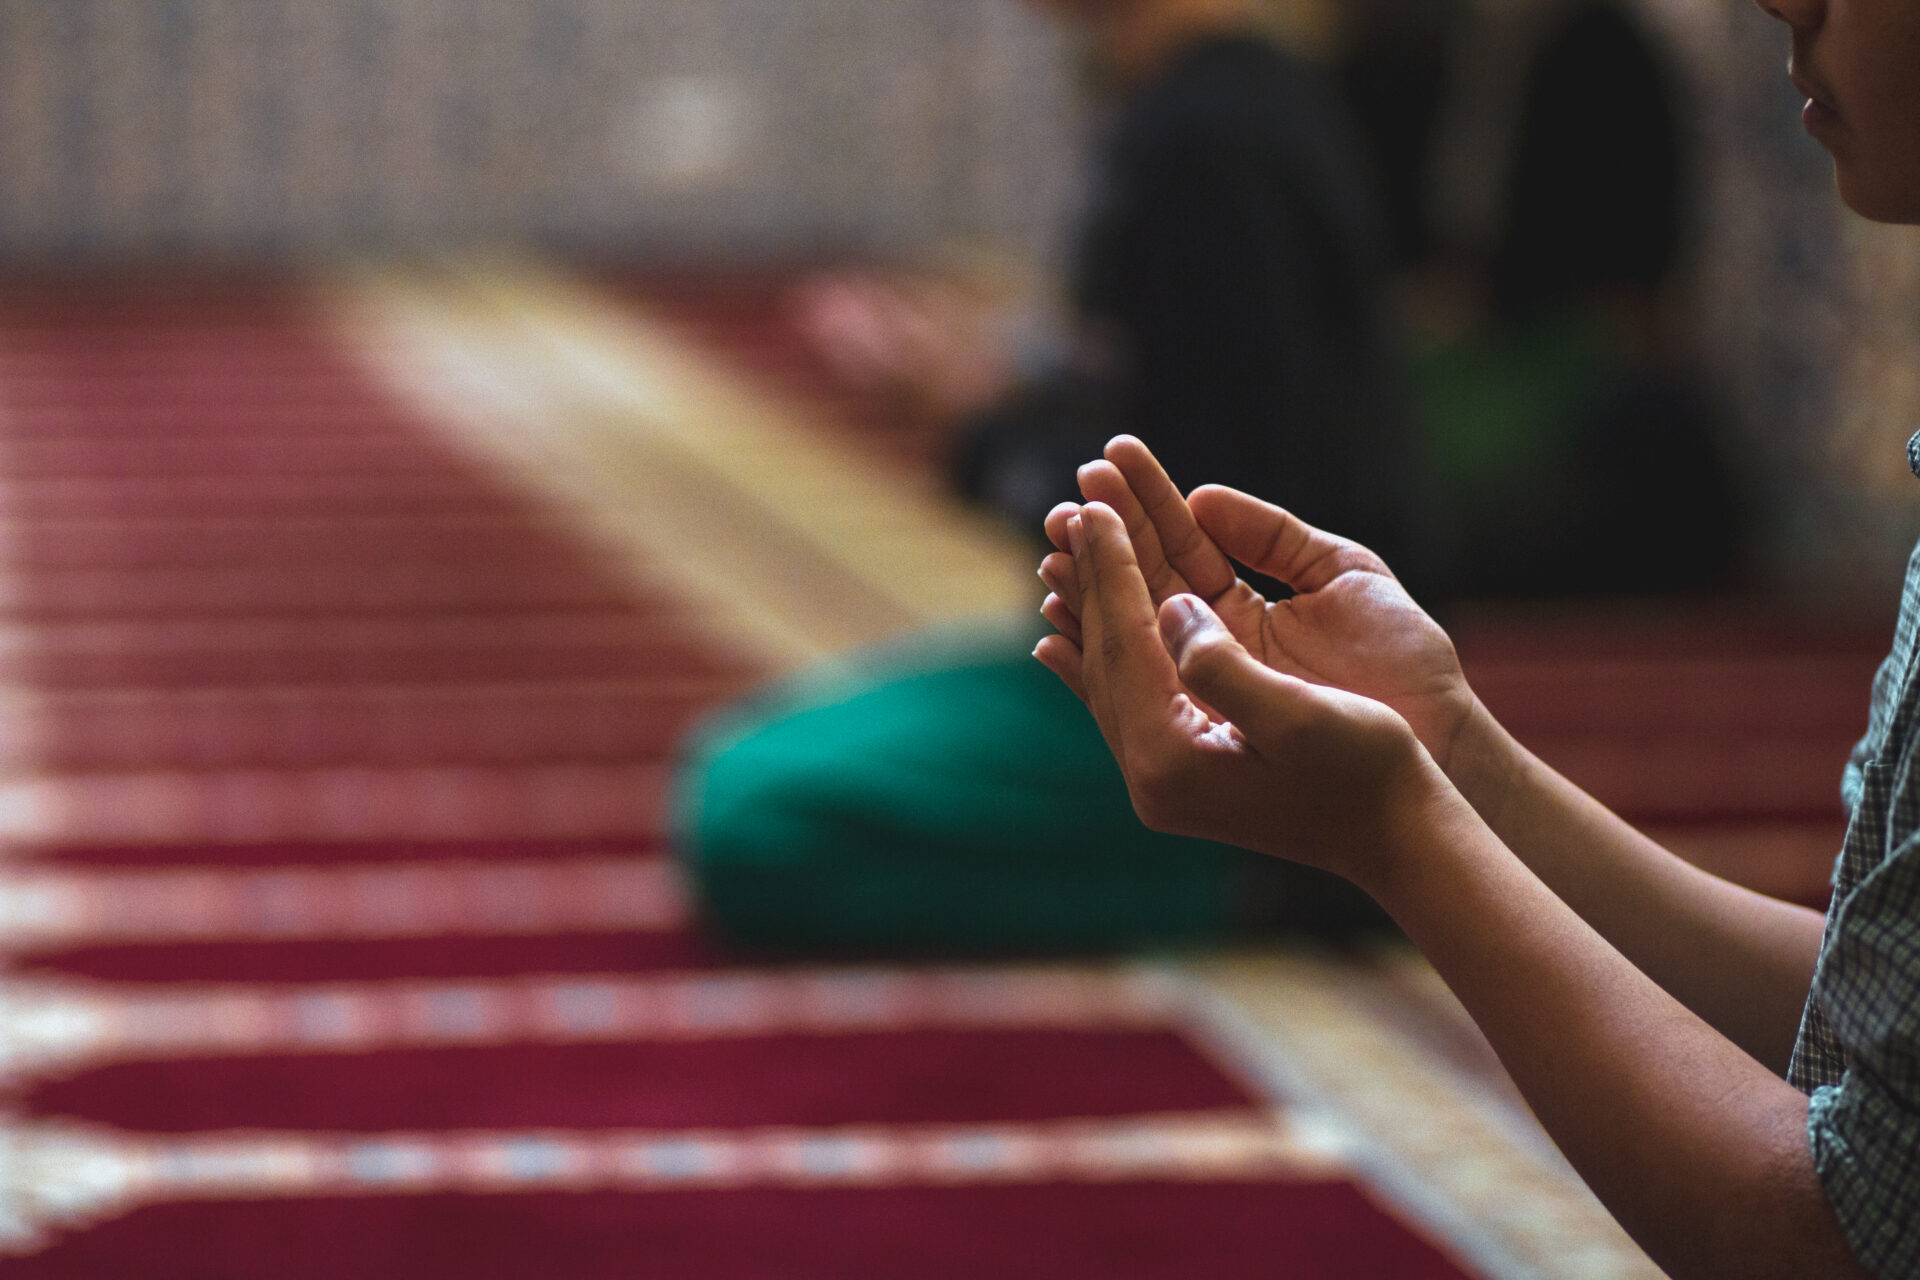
<point x="1858" y="62"/>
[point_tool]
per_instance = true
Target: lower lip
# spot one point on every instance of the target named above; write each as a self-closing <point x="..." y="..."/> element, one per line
<point x="1818" y="118"/>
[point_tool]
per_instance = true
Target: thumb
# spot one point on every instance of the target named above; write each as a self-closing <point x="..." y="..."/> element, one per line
<point x="1276" y="542"/>
<point x="1217" y="669"/>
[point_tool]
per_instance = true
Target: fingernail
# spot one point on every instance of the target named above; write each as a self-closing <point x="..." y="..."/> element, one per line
<point x="1076" y="536"/>
<point x="1185" y="617"/>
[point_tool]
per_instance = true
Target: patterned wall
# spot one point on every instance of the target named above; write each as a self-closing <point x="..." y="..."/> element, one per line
<point x="764" y="128"/>
<point x="643" y="125"/>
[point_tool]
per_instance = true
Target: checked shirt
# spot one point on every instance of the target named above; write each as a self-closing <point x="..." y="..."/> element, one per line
<point x="1858" y="1054"/>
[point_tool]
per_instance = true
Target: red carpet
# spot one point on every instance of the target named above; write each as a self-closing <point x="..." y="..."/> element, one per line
<point x="341" y="941"/>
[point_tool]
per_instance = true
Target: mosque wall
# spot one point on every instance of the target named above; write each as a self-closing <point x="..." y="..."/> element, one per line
<point x="756" y="129"/>
<point x="639" y="127"/>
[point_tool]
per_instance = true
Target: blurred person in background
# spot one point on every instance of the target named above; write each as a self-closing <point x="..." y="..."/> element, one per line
<point x="1540" y="191"/>
<point x="1229" y="298"/>
<point x="1227" y="292"/>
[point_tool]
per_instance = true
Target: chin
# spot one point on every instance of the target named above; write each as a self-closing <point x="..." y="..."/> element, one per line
<point x="1878" y="201"/>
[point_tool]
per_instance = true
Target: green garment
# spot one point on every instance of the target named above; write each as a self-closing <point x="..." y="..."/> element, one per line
<point x="950" y="795"/>
<point x="1502" y="412"/>
<point x="1559" y="463"/>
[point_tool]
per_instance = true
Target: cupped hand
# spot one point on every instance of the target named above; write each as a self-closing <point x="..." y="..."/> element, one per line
<point x="1350" y="624"/>
<point x="1216" y="743"/>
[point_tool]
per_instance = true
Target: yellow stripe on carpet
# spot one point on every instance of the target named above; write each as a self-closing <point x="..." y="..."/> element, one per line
<point x="792" y="544"/>
<point x="1472" y="1165"/>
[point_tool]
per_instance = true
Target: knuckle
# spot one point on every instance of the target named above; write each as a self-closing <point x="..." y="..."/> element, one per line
<point x="1206" y="659"/>
<point x="1185" y="539"/>
<point x="1240" y="595"/>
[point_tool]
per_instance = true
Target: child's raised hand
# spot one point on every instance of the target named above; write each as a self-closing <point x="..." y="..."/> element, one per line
<point x="1215" y="743"/>
<point x="1350" y="626"/>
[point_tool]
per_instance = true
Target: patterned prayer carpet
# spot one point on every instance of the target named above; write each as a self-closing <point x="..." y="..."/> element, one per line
<point x="346" y="630"/>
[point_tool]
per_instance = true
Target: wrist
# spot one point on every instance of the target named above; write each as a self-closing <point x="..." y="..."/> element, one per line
<point x="1481" y="761"/>
<point x="1410" y="800"/>
<point x="1430" y="816"/>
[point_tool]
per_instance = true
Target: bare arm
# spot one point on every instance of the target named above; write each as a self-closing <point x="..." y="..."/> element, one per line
<point x="1699" y="1150"/>
<point x="1740" y="960"/>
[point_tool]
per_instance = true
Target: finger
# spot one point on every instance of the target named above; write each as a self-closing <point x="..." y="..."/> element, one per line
<point x="1276" y="542"/>
<point x="1056" y="523"/>
<point x="1055" y="611"/>
<point x="1101" y="481"/>
<point x="1262" y="703"/>
<point x="1190" y="552"/>
<point x="1062" y="657"/>
<point x="1128" y="675"/>
<point x="1090" y="685"/>
<point x="1057" y="572"/>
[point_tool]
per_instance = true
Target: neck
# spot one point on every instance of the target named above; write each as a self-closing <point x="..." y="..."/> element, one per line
<point x="1136" y="39"/>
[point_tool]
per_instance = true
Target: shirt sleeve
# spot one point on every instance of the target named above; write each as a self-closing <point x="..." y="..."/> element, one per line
<point x="1865" y="1130"/>
<point x="1886" y="696"/>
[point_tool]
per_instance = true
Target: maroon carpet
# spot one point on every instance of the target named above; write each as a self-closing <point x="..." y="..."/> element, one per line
<point x="346" y="945"/>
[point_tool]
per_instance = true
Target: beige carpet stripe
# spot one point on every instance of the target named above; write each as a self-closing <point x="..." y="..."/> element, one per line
<point x="799" y="545"/>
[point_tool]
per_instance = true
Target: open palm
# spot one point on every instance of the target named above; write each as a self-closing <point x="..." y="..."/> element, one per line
<point x="1350" y="625"/>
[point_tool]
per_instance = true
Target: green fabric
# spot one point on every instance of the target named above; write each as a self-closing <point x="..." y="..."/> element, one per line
<point x="1499" y="413"/>
<point x="949" y="795"/>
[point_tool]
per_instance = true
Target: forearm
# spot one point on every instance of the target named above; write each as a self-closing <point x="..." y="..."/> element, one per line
<point x="1698" y="1149"/>
<point x="1738" y="959"/>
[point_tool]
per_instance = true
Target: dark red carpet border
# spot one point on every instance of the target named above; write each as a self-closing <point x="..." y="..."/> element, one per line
<point x="231" y="557"/>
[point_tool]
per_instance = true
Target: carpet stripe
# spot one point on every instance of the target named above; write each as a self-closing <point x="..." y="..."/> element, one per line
<point x="76" y="1176"/>
<point x="537" y="802"/>
<point x="640" y="637"/>
<point x="42" y="910"/>
<point x="57" y="1028"/>
<point x="279" y="726"/>
<point x="1433" y="1140"/>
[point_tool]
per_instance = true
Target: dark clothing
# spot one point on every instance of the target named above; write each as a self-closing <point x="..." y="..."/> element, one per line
<point x="1560" y="468"/>
<point x="1596" y="196"/>
<point x="1232" y="269"/>
<point x="956" y="797"/>
<point x="1395" y="78"/>
<point x="1579" y="175"/>
<point x="1567" y="447"/>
